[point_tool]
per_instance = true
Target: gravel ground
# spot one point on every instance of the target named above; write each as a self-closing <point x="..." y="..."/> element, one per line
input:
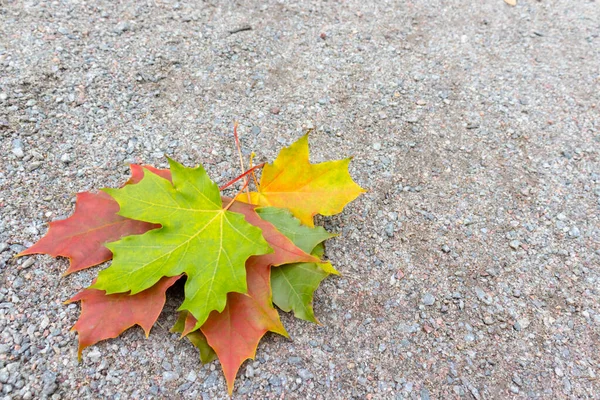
<point x="471" y="267"/>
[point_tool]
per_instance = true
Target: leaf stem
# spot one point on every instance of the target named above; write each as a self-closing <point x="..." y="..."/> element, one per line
<point x="241" y="190"/>
<point x="231" y="182"/>
<point x="239" y="149"/>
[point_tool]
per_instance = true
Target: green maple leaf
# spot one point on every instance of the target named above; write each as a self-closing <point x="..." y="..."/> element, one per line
<point x="210" y="245"/>
<point x="294" y="284"/>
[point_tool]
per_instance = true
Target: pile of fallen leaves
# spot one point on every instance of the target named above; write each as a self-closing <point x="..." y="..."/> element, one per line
<point x="238" y="257"/>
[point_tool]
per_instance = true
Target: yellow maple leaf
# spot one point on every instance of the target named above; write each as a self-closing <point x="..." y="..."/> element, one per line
<point x="306" y="189"/>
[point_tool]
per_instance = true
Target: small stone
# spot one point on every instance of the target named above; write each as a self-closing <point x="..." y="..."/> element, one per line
<point x="488" y="320"/>
<point x="4" y="375"/>
<point x="44" y="324"/>
<point x="191" y="376"/>
<point x="521" y="324"/>
<point x="305" y="374"/>
<point x="482" y="295"/>
<point x="567" y="387"/>
<point x="389" y="230"/>
<point x="169" y="376"/>
<point x="18" y="153"/>
<point x="446" y="248"/>
<point x="255" y="130"/>
<point x="514" y="389"/>
<point x="65" y="158"/>
<point x="3" y="96"/>
<point x="428" y="299"/>
<point x="275" y="110"/>
<point x="472" y="125"/>
<point x="376" y="146"/>
<point x="517" y="380"/>
<point x="561" y="217"/>
<point x="249" y="371"/>
<point x="424" y="393"/>
<point x="412" y="119"/>
<point x="17" y="148"/>
<point x="62" y="30"/>
<point x="574" y="232"/>
<point x="122" y="26"/>
<point x="294" y="360"/>
<point x="515" y="244"/>
<point x="275" y="381"/>
<point x="94" y="355"/>
<point x="28" y="263"/>
<point x="49" y="380"/>
<point x="559" y="372"/>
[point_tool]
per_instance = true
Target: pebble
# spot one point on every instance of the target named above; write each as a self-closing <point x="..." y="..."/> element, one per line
<point x="17" y="148"/>
<point x="49" y="381"/>
<point x="412" y="119"/>
<point x="389" y="230"/>
<point x="521" y="324"/>
<point x="428" y="299"/>
<point x="574" y="232"/>
<point x="482" y="295"/>
<point x="94" y="355"/>
<point x="45" y="322"/>
<point x="33" y="166"/>
<point x="515" y="244"/>
<point x="191" y="376"/>
<point x="169" y="376"/>
<point x="122" y="26"/>
<point x="446" y="248"/>
<point x="305" y="374"/>
<point x="377" y="146"/>
<point x="65" y="158"/>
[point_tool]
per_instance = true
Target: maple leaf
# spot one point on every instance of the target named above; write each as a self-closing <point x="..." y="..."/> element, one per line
<point x="107" y="316"/>
<point x="235" y="332"/>
<point x="198" y="237"/>
<point x="285" y="251"/>
<point x="137" y="173"/>
<point x="83" y="235"/>
<point x="306" y="189"/>
<point x="197" y="338"/>
<point x="294" y="285"/>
